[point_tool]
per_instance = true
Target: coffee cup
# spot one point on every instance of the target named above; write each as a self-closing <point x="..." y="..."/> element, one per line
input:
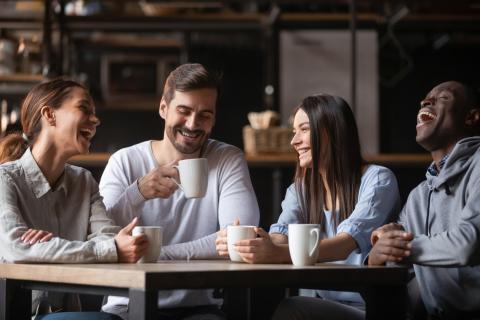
<point x="193" y="177"/>
<point x="155" y="238"/>
<point x="236" y="233"/>
<point x="303" y="240"/>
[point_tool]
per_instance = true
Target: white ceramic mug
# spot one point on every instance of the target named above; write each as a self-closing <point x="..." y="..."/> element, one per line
<point x="155" y="239"/>
<point x="236" y="233"/>
<point x="303" y="242"/>
<point x="193" y="177"/>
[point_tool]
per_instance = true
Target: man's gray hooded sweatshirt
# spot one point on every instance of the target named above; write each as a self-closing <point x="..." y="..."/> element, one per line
<point x="443" y="213"/>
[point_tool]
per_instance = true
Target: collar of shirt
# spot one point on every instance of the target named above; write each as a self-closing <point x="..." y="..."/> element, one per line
<point x="432" y="169"/>
<point x="35" y="177"/>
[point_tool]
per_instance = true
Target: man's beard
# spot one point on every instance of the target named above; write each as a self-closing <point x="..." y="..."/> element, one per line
<point x="183" y="147"/>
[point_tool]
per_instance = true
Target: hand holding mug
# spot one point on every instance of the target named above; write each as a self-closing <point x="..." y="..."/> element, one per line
<point x="258" y="250"/>
<point x="130" y="248"/>
<point x="221" y="241"/>
<point x="154" y="236"/>
<point x="160" y="182"/>
<point x="236" y="233"/>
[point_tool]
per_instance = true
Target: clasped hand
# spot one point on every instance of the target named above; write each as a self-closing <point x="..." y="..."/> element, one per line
<point x="391" y="243"/>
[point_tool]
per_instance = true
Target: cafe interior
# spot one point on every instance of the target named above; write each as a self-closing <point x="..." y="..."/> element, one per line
<point x="381" y="56"/>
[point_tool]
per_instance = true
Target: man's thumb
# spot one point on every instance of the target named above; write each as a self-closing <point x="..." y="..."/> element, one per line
<point x="129" y="227"/>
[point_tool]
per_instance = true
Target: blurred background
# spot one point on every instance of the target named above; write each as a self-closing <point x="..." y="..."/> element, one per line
<point x="382" y="56"/>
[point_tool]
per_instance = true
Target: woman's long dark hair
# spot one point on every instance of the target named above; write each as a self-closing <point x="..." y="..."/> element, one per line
<point x="337" y="155"/>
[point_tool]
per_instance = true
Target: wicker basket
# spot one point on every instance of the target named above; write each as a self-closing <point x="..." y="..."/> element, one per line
<point x="271" y="140"/>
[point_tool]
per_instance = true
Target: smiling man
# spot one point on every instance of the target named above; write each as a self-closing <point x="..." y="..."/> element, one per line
<point x="439" y="227"/>
<point x="138" y="181"/>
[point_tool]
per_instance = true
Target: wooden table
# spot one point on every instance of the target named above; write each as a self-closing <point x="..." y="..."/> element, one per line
<point x="383" y="288"/>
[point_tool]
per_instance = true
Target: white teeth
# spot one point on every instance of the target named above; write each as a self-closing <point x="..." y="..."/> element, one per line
<point x="424" y="116"/>
<point x="188" y="134"/>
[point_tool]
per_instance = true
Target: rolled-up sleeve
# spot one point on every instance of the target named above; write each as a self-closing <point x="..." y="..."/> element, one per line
<point x="378" y="203"/>
<point x="291" y="212"/>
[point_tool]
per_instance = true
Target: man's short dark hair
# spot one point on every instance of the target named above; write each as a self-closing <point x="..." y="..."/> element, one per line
<point x="190" y="76"/>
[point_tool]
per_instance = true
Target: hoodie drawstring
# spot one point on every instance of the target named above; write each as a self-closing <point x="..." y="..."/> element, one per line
<point x="427" y="232"/>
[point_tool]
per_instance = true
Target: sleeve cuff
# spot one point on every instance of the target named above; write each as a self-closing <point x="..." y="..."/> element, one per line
<point x="362" y="241"/>
<point x="106" y="251"/>
<point x="279" y="228"/>
<point x="134" y="195"/>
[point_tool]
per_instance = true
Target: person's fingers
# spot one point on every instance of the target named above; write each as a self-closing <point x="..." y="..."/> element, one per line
<point x="378" y="233"/>
<point x="141" y="247"/>
<point x="162" y="191"/>
<point x="222" y="234"/>
<point x="262" y="233"/>
<point x="247" y="257"/>
<point x="222" y="247"/>
<point x="129" y="227"/>
<point x="398" y="234"/>
<point x="168" y="171"/>
<point x="389" y="258"/>
<point x="246" y="242"/>
<point x="28" y="235"/>
<point x="394" y="252"/>
<point x="168" y="183"/>
<point x="223" y="253"/>
<point x="139" y="239"/>
<point x="245" y="249"/>
<point x="38" y="235"/>
<point x="392" y="247"/>
<point x="47" y="237"/>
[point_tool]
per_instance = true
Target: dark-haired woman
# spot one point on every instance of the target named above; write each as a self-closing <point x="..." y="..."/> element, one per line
<point x="51" y="211"/>
<point x="334" y="188"/>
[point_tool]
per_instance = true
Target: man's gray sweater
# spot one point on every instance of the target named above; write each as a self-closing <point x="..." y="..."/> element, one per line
<point x="443" y="213"/>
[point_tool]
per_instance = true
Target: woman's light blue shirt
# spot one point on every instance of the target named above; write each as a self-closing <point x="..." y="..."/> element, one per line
<point x="378" y="203"/>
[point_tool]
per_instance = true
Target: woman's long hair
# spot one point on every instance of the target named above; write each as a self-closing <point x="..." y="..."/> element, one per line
<point x="52" y="93"/>
<point x="335" y="149"/>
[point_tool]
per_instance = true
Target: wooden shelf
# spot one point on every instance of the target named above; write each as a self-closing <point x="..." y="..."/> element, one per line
<point x="18" y="83"/>
<point x="21" y="77"/>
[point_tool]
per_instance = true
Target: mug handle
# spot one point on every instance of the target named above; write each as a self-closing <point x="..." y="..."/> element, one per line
<point x="317" y="237"/>
<point x="176" y="182"/>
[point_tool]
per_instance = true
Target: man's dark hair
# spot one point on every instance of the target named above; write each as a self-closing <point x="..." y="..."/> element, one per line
<point x="190" y="76"/>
